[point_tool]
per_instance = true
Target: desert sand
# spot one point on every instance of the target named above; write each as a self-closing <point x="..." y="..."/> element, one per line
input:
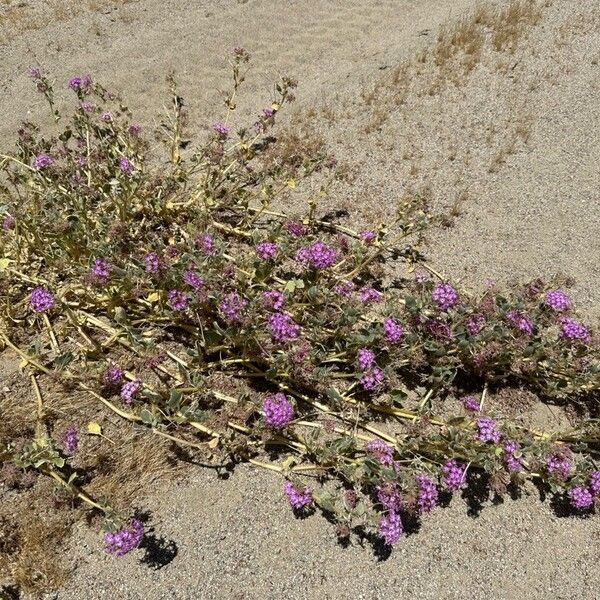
<point x="507" y="146"/>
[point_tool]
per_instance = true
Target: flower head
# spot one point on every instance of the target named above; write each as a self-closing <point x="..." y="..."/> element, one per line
<point x="380" y="451"/>
<point x="107" y="116"/>
<point x="41" y="161"/>
<point x="594" y="482"/>
<point x="8" y="222"/>
<point x="580" y="497"/>
<point x="193" y="279"/>
<point x="297" y="498"/>
<point x="369" y="294"/>
<point x="266" y="250"/>
<point x="453" y="475"/>
<point x="558" y="465"/>
<point x="70" y="440"/>
<point x="390" y="528"/>
<point x="365" y="359"/>
<point x="177" y="300"/>
<point x="221" y="129"/>
<point x="41" y="300"/>
<point x="392" y="331"/>
<point x="389" y="496"/>
<point x="283" y="328"/>
<point x="486" y="430"/>
<point x="153" y="263"/>
<point x="124" y="540"/>
<point x="296" y="229"/>
<point x="444" y="295"/>
<point x="318" y="255"/>
<point x="130" y="390"/>
<point x="277" y="411"/>
<point x="372" y="379"/>
<point x="557" y="300"/>
<point x="367" y="236"/>
<point x="273" y="299"/>
<point x="343" y="288"/>
<point x="520" y="320"/>
<point x="231" y="307"/>
<point x="427" y="496"/>
<point x="125" y="165"/>
<point x="205" y="243"/>
<point x="474" y="324"/>
<point x="471" y="403"/>
<point x="512" y="462"/>
<point x="100" y="270"/>
<point x="573" y="330"/>
<point x="113" y="375"/>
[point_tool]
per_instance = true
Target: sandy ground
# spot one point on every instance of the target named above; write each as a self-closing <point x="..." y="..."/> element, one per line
<point x="512" y="147"/>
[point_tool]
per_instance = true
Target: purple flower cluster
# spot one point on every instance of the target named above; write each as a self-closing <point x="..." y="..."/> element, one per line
<point x="100" y="270"/>
<point x="392" y="331"/>
<point x="79" y="83"/>
<point x="372" y="379"/>
<point x="594" y="482"/>
<point x="471" y="403"/>
<point x="107" y="117"/>
<point x="344" y="288"/>
<point x="380" y="451"/>
<point x="126" y="166"/>
<point x="277" y="411"/>
<point x="390" y="528"/>
<point x="273" y="299"/>
<point x="41" y="161"/>
<point x="512" y="462"/>
<point x="205" y="243"/>
<point x="283" y="328"/>
<point x="365" y="359"/>
<point x="453" y="475"/>
<point x="113" y="375"/>
<point x="557" y="300"/>
<point x="298" y="499"/>
<point x="177" y="300"/>
<point x="369" y="294"/>
<point x="573" y="330"/>
<point x="389" y="496"/>
<point x="318" y="255"/>
<point x="296" y="229"/>
<point x="41" y="300"/>
<point x="444" y="295"/>
<point x="70" y="440"/>
<point x="580" y="497"/>
<point x="367" y="236"/>
<point x="87" y="107"/>
<point x="486" y="430"/>
<point x="558" y="465"/>
<point x="153" y="263"/>
<point x="125" y="540"/>
<point x="520" y="320"/>
<point x="474" y="324"/>
<point x="221" y="129"/>
<point x="427" y="496"/>
<point x="193" y="279"/>
<point x="266" y="250"/>
<point x="231" y="307"/>
<point x="8" y="222"/>
<point x="130" y="390"/>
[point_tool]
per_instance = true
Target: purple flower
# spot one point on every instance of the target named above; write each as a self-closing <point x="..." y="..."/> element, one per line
<point x="573" y="330"/>
<point x="557" y="300"/>
<point x="421" y="276"/>
<point x="365" y="359"/>
<point x="520" y="320"/>
<point x="559" y="465"/>
<point x="130" y="390"/>
<point x="475" y="324"/>
<point x="580" y="497"/>
<point x="277" y="411"/>
<point x="267" y="113"/>
<point x="113" y="375"/>
<point x="41" y="161"/>
<point x="427" y="496"/>
<point x="594" y="482"/>
<point x="273" y="299"/>
<point x="297" y="498"/>
<point x="369" y="294"/>
<point x="205" y="242"/>
<point x="8" y="222"/>
<point x="367" y="236"/>
<point x="512" y="462"/>
<point x="70" y="440"/>
<point x="101" y="270"/>
<point x="75" y="83"/>
<point x="193" y="279"/>
<point x="453" y="475"/>
<point x="221" y="129"/>
<point x="318" y="255"/>
<point x="177" y="300"/>
<point x="231" y="307"/>
<point x="471" y="403"/>
<point x="390" y="528"/>
<point x="380" y="451"/>
<point x="389" y="496"/>
<point x="344" y="288"/>
<point x="486" y="430"/>
<point x="266" y="250"/>
<point x="87" y="107"/>
<point x="296" y="229"/>
<point x="444" y="295"/>
<point x="126" y="166"/>
<point x="41" y="300"/>
<point x="283" y="328"/>
<point x="392" y="331"/>
<point x="107" y="116"/>
<point x="35" y="72"/>
<point x="134" y="129"/>
<point x="372" y="379"/>
<point x="153" y="263"/>
<point x="124" y="540"/>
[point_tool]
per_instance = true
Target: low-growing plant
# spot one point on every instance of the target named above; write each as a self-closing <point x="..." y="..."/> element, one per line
<point x="189" y="264"/>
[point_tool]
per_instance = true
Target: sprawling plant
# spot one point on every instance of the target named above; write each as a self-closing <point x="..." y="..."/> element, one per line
<point x="190" y="263"/>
